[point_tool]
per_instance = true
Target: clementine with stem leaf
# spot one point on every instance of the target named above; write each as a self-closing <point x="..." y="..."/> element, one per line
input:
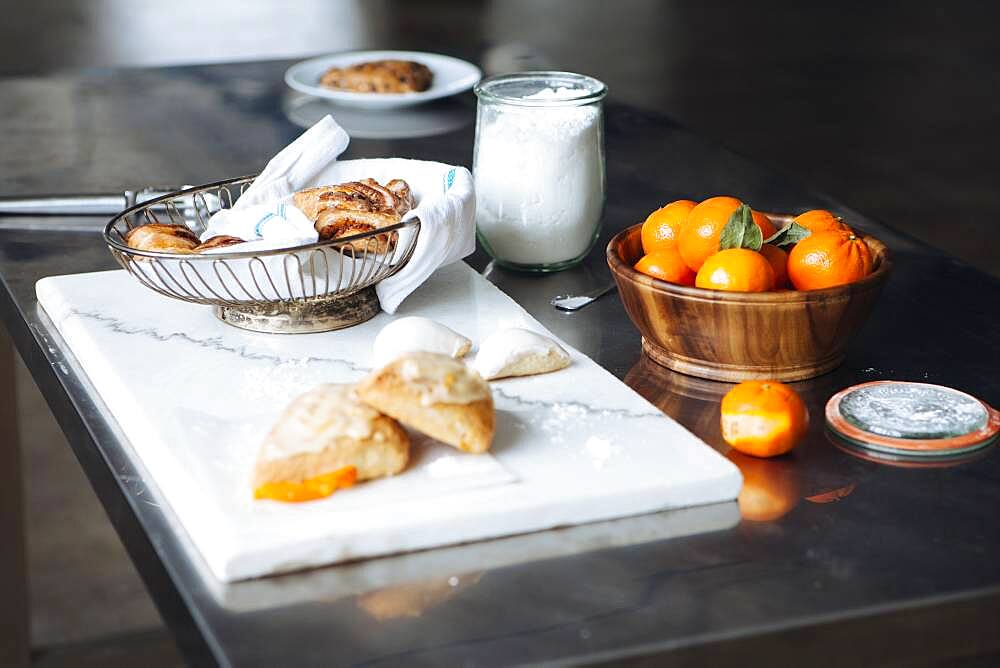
<point x="699" y="237"/>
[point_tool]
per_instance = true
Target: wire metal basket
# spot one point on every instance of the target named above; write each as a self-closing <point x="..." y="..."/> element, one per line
<point x="318" y="287"/>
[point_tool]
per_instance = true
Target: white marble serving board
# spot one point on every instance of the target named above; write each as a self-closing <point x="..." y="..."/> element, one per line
<point x="195" y="397"/>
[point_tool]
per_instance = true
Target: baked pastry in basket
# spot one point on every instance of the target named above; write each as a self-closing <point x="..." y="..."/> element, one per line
<point x="326" y="439"/>
<point x="346" y="209"/>
<point x="218" y="241"/>
<point x="435" y="395"/>
<point x="379" y="76"/>
<point x="163" y="238"/>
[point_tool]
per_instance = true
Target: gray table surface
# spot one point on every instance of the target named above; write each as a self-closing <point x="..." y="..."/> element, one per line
<point x="902" y="567"/>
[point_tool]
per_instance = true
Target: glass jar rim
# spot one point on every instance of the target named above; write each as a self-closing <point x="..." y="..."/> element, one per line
<point x="594" y="89"/>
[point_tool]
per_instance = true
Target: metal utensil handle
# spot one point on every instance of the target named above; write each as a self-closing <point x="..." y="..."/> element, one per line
<point x="96" y="204"/>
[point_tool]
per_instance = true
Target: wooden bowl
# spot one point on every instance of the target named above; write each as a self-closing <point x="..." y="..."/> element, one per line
<point x="737" y="336"/>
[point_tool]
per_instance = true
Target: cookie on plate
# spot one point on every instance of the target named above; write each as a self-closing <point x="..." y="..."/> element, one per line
<point x="379" y="76"/>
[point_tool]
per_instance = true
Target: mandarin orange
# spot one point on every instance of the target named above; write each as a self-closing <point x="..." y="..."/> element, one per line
<point x="763" y="418"/>
<point x="666" y="265"/>
<point x="820" y="220"/>
<point x="764" y="223"/>
<point x="661" y="228"/>
<point x="826" y="259"/>
<point x="700" y="233"/>
<point x="736" y="270"/>
<point x="778" y="259"/>
<point x="309" y="489"/>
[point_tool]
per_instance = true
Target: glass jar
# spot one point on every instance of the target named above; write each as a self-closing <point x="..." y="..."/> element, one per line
<point x="539" y="168"/>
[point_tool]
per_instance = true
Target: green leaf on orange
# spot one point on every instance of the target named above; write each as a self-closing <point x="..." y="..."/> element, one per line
<point x="740" y="231"/>
<point x="789" y="235"/>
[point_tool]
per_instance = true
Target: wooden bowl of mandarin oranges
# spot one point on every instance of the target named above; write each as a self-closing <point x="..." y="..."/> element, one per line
<point x="721" y="291"/>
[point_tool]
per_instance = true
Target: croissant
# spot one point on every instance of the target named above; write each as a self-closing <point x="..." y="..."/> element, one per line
<point x="163" y="238"/>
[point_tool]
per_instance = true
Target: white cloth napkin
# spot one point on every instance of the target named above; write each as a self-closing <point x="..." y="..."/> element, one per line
<point x="444" y="195"/>
<point x="265" y="226"/>
<point x="446" y="207"/>
<point x="297" y="164"/>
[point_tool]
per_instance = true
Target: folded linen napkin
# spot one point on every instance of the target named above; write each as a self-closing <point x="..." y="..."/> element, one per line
<point x="266" y="226"/>
<point x="444" y="196"/>
<point x="296" y="164"/>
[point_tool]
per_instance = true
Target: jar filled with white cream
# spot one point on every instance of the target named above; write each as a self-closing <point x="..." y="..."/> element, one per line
<point x="539" y="168"/>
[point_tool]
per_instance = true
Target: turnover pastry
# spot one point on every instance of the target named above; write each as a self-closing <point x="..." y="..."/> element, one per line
<point x="435" y="395"/>
<point x="518" y="352"/>
<point x="163" y="238"/>
<point x="327" y="439"/>
<point x="379" y="76"/>
<point x="346" y="209"/>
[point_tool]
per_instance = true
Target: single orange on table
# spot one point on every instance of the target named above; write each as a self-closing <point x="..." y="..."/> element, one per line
<point x="820" y="220"/>
<point x="700" y="235"/>
<point x="666" y="265"/>
<point x="763" y="418"/>
<point x="778" y="259"/>
<point x="826" y="259"/>
<point x="736" y="270"/>
<point x="309" y="489"/>
<point x="661" y="228"/>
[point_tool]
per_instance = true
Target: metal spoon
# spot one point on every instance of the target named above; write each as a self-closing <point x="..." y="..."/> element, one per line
<point x="576" y="302"/>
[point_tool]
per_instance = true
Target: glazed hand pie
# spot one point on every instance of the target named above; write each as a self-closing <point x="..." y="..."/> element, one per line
<point x="416" y="334"/>
<point x="518" y="352"/>
<point x="435" y="395"/>
<point x="326" y="439"/>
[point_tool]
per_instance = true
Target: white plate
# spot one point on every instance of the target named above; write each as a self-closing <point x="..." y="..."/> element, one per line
<point x="451" y="76"/>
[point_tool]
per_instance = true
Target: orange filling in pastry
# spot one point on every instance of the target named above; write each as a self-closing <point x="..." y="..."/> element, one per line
<point x="309" y="489"/>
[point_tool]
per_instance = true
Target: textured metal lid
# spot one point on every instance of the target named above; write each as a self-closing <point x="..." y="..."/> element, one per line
<point x="912" y="419"/>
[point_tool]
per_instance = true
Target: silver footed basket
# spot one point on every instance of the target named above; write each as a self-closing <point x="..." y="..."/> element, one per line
<point x="318" y="287"/>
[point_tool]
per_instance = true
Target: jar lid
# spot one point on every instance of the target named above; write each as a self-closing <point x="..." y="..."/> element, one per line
<point x="912" y="419"/>
<point x="541" y="89"/>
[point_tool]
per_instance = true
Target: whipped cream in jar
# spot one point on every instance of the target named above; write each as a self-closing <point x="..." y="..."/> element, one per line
<point x="539" y="168"/>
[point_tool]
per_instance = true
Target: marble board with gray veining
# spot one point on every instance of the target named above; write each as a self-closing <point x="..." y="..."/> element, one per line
<point x="195" y="397"/>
